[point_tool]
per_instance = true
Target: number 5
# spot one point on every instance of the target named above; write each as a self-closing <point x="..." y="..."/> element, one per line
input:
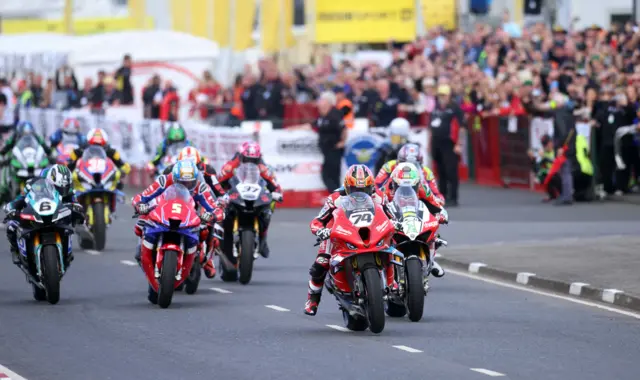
<point x="176" y="208"/>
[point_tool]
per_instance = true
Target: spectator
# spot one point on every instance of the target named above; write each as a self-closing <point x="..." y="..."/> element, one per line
<point x="385" y="107"/>
<point x="152" y="98"/>
<point x="123" y="81"/>
<point x="35" y="83"/>
<point x="24" y="94"/>
<point x="251" y="97"/>
<point x="68" y="87"/>
<point x="274" y="95"/>
<point x="344" y="105"/>
<point x="170" y="106"/>
<point x="97" y="95"/>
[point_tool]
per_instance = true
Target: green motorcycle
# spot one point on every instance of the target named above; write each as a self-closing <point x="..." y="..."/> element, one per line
<point x="27" y="160"/>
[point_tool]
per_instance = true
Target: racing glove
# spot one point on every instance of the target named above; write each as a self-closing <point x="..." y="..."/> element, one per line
<point x="323" y="233"/>
<point x="143" y="208"/>
<point x="207" y="217"/>
<point x="276" y="196"/>
<point x="443" y="217"/>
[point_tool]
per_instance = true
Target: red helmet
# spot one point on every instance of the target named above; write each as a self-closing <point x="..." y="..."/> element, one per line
<point x="97" y="136"/>
<point x="250" y="152"/>
<point x="410" y="153"/>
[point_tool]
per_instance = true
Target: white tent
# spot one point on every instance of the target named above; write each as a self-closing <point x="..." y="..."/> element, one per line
<point x="153" y="45"/>
<point x="35" y="43"/>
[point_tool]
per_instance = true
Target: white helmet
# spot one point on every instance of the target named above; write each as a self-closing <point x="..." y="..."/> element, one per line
<point x="399" y="130"/>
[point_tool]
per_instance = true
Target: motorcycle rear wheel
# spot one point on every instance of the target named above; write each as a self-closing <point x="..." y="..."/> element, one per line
<point x="51" y="273"/>
<point x="374" y="300"/>
<point x="247" y="248"/>
<point x="415" y="290"/>
<point x="192" y="282"/>
<point x="167" y="278"/>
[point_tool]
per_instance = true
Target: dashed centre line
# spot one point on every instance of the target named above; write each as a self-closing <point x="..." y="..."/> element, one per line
<point x="407" y="349"/>
<point x="488" y="372"/>
<point x="92" y="252"/>
<point x="220" y="290"/>
<point x="276" y="308"/>
<point x="7" y="374"/>
<point x="129" y="263"/>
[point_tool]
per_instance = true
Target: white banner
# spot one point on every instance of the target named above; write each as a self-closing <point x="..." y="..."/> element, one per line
<point x="295" y="157"/>
<point x="538" y="128"/>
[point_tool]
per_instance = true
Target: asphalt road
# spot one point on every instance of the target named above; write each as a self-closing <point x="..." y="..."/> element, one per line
<point x="104" y="328"/>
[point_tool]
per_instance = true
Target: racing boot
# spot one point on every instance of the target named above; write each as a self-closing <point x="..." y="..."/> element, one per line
<point x="313" y="300"/>
<point x="264" y="248"/>
<point x="391" y="281"/>
<point x="139" y="253"/>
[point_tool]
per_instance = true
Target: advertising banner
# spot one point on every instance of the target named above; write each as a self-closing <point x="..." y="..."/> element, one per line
<point x="359" y="21"/>
<point x="295" y="157"/>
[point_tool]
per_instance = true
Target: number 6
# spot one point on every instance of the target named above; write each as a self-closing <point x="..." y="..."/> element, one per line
<point x="45" y="206"/>
<point x="176" y="208"/>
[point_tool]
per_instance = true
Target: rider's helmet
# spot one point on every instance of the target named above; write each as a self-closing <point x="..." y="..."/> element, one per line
<point x="410" y="153"/>
<point x="405" y="174"/>
<point x="60" y="176"/>
<point x="250" y="152"/>
<point x="97" y="136"/>
<point x="399" y="130"/>
<point x="25" y="128"/>
<point x="71" y="126"/>
<point x="359" y="179"/>
<point x="191" y="154"/>
<point x="175" y="133"/>
<point x="185" y="172"/>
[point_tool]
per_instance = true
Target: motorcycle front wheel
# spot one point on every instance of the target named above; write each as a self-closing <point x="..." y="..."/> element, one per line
<point x="167" y="278"/>
<point x="374" y="300"/>
<point x="247" y="248"/>
<point x="415" y="290"/>
<point x="51" y="273"/>
<point x="99" y="226"/>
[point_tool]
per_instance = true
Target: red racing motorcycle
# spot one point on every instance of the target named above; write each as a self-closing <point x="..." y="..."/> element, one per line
<point x="360" y="251"/>
<point x="172" y="221"/>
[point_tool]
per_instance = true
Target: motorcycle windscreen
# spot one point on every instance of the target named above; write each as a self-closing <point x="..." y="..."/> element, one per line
<point x="94" y="151"/>
<point x="359" y="209"/>
<point x="43" y="197"/>
<point x="249" y="181"/>
<point x="177" y="192"/>
<point x="406" y="202"/>
<point x="30" y="150"/>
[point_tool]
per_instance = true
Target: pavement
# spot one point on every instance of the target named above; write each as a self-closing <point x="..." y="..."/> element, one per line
<point x="474" y="328"/>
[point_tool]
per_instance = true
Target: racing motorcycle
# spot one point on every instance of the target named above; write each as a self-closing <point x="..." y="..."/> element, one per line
<point x="28" y="159"/>
<point x="95" y="180"/>
<point x="44" y="240"/>
<point x="173" y="219"/>
<point x="248" y="197"/>
<point x="416" y="242"/>
<point x="64" y="149"/>
<point x="360" y="248"/>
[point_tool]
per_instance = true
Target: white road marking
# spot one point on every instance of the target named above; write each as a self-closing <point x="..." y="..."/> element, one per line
<point x="129" y="263"/>
<point x="7" y="374"/>
<point x="488" y="372"/>
<point x="609" y="295"/>
<point x="576" y="288"/>
<point x="339" y="328"/>
<point x="92" y="252"/>
<point x="220" y="290"/>
<point x="543" y="293"/>
<point x="276" y="308"/>
<point x="437" y="255"/>
<point x="523" y="277"/>
<point x="408" y="349"/>
<point x="475" y="267"/>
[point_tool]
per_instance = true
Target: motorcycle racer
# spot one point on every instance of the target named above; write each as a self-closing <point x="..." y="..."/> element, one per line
<point x="24" y="128"/>
<point x="70" y="127"/>
<point x="399" y="130"/>
<point x="60" y="177"/>
<point x="408" y="174"/>
<point x="358" y="179"/>
<point x="410" y="153"/>
<point x="175" y="135"/>
<point x="249" y="152"/>
<point x="98" y="136"/>
<point x="185" y="173"/>
<point x="209" y="173"/>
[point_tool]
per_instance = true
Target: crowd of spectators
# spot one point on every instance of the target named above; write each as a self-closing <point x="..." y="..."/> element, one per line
<point x="590" y="75"/>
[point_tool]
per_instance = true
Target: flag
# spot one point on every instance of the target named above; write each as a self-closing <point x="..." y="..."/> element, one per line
<point x="276" y="22"/>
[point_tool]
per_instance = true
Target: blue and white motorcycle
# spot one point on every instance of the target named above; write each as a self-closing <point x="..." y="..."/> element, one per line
<point x="44" y="229"/>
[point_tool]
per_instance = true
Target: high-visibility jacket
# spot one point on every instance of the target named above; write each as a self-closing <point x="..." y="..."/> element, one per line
<point x="348" y="117"/>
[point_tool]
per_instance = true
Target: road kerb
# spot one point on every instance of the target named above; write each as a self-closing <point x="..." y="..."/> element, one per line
<point x="574" y="289"/>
